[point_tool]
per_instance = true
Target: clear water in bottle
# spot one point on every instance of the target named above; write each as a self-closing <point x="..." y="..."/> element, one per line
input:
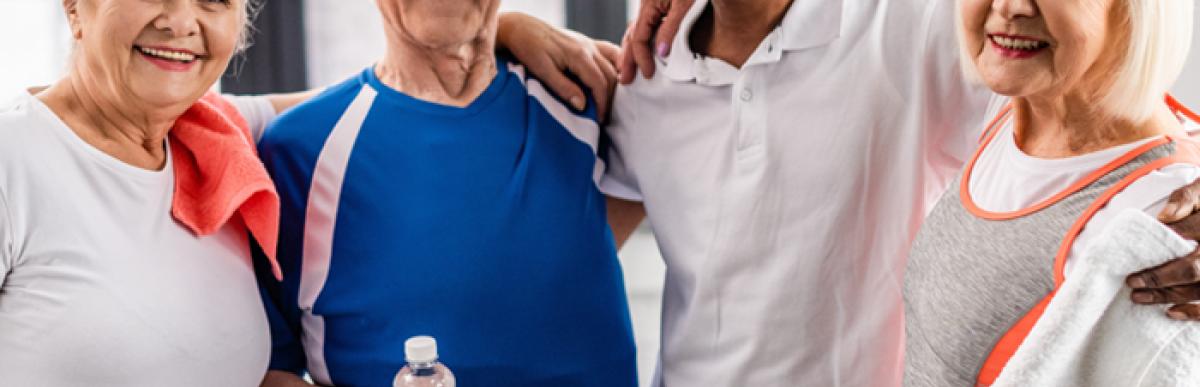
<point x="423" y="369"/>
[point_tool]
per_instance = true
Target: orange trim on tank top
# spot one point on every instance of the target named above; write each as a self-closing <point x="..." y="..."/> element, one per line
<point x="1187" y="151"/>
<point x="1008" y="344"/>
<point x="969" y="203"/>
<point x="1178" y="108"/>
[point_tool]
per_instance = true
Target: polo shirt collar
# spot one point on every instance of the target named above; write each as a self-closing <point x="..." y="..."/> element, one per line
<point x="807" y="24"/>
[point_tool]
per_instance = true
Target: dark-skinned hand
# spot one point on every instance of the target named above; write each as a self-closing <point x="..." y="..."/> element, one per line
<point x="1175" y="283"/>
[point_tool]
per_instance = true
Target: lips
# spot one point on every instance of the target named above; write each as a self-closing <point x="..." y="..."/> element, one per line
<point x="181" y="56"/>
<point x="1017" y="47"/>
<point x="169" y="59"/>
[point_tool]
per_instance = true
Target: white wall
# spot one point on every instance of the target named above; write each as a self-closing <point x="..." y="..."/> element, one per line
<point x="1187" y="89"/>
<point x="34" y="43"/>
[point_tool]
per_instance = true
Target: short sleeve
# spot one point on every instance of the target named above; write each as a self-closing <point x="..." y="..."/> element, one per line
<point x="620" y="179"/>
<point x="283" y="316"/>
<point x="258" y="111"/>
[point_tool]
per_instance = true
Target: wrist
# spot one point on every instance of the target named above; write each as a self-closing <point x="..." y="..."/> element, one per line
<point x="505" y="26"/>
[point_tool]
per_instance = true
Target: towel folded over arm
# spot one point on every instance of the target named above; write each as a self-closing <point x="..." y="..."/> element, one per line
<point x="1093" y="335"/>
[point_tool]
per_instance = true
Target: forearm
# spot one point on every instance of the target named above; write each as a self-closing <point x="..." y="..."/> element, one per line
<point x="283" y="379"/>
<point x="624" y="217"/>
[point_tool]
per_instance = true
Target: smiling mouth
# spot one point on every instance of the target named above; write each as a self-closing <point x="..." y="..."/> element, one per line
<point x="1018" y="43"/>
<point x="174" y="56"/>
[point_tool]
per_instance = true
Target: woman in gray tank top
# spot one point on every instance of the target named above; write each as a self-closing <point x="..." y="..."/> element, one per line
<point x="1083" y="132"/>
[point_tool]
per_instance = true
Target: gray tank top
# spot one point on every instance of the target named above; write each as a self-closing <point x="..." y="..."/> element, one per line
<point x="970" y="279"/>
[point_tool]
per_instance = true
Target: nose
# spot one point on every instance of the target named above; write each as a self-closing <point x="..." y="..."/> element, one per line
<point x="1014" y="9"/>
<point x="178" y="18"/>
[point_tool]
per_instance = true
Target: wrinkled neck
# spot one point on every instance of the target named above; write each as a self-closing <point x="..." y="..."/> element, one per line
<point x="1070" y="125"/>
<point x="116" y="124"/>
<point x="453" y="75"/>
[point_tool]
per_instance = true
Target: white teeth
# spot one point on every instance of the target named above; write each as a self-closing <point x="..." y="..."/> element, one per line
<point x="169" y="55"/>
<point x="1017" y="44"/>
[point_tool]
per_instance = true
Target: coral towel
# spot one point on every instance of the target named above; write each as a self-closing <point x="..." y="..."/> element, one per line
<point x="218" y="175"/>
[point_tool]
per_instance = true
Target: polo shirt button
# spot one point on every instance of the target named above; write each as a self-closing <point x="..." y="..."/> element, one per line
<point x="747" y="95"/>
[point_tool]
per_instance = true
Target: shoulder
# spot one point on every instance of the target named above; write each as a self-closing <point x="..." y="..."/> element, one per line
<point x="1150" y="192"/>
<point x="537" y="91"/>
<point x="17" y="113"/>
<point x="25" y="124"/>
<point x="308" y="124"/>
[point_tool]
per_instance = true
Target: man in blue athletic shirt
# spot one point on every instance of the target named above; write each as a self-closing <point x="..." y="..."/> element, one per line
<point x="444" y="192"/>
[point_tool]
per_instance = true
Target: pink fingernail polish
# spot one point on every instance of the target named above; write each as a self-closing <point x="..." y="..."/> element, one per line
<point x="663" y="50"/>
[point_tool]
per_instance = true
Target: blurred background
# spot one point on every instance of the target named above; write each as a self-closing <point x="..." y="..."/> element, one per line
<point x="311" y="43"/>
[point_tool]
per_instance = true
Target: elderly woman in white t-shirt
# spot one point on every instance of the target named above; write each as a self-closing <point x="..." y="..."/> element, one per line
<point x="1016" y="278"/>
<point x="100" y="285"/>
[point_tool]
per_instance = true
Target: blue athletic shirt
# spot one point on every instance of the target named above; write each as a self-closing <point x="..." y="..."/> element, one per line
<point x="481" y="226"/>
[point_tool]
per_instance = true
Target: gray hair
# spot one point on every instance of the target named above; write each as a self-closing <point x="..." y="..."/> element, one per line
<point x="246" y="39"/>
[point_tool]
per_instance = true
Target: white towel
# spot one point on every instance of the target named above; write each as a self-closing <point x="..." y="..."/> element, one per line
<point x="1091" y="333"/>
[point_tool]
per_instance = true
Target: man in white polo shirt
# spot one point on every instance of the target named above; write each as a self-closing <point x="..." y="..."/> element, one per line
<point x="785" y="179"/>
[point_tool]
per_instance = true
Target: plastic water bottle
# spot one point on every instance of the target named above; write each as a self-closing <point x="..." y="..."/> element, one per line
<point x="423" y="369"/>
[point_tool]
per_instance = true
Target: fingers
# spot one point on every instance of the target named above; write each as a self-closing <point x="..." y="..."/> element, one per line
<point x="1178" y="272"/>
<point x="670" y="26"/>
<point x="1184" y="312"/>
<point x="642" y="37"/>
<point x="604" y="97"/>
<point x="1173" y="295"/>
<point x="558" y="82"/>
<point x="610" y="52"/>
<point x="628" y="65"/>
<point x="1183" y="202"/>
<point x="586" y="67"/>
<point x="1188" y="228"/>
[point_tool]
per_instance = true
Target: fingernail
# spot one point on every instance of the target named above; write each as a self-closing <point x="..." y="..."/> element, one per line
<point x="578" y="102"/>
<point x="1137" y="283"/>
<point x="1143" y="298"/>
<point x="1177" y="315"/>
<point x="663" y="49"/>
<point x="1182" y="212"/>
<point x="1168" y="211"/>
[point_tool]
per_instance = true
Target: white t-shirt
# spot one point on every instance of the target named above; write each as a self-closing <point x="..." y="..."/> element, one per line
<point x="785" y="195"/>
<point x="1006" y="179"/>
<point x="99" y="285"/>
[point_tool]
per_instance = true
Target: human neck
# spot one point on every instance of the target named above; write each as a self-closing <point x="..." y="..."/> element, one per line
<point x="1066" y="126"/>
<point x="731" y="30"/>
<point x="452" y="75"/>
<point x="135" y="135"/>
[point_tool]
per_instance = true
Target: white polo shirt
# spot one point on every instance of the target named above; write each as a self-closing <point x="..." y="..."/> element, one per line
<point x="785" y="195"/>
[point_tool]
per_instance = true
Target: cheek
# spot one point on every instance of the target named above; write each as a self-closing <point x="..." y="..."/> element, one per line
<point x="222" y="36"/>
<point x="1075" y="55"/>
<point x="973" y="16"/>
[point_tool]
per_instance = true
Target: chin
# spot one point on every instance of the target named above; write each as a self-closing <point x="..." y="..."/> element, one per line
<point x="1009" y="85"/>
<point x="1007" y="89"/>
<point x="166" y="96"/>
<point x="438" y="37"/>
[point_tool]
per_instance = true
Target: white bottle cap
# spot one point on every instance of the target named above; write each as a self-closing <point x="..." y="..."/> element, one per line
<point x="421" y="349"/>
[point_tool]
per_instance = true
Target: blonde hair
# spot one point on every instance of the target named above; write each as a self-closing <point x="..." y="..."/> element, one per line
<point x="1160" y="36"/>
